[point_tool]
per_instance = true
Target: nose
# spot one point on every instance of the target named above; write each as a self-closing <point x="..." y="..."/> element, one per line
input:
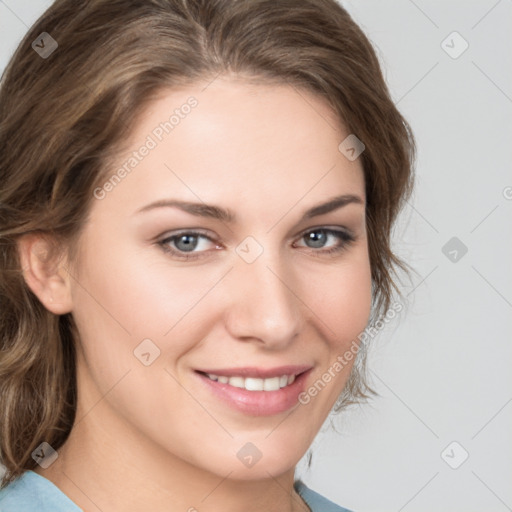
<point x="261" y="304"/>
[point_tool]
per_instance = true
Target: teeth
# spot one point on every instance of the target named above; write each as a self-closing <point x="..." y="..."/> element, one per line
<point x="237" y="382"/>
<point x="272" y="384"/>
<point x="254" y="384"/>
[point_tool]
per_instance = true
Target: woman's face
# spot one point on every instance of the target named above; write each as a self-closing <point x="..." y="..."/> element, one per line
<point x="163" y="294"/>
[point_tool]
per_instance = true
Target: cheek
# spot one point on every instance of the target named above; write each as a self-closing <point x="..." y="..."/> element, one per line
<point x="342" y="301"/>
<point x="341" y="297"/>
<point x="120" y="284"/>
<point x="125" y="296"/>
<point x="355" y="299"/>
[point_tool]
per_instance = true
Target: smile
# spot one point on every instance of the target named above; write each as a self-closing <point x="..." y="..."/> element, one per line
<point x="256" y="391"/>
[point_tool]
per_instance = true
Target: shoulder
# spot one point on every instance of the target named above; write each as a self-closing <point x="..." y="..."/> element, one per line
<point x="32" y="492"/>
<point x="315" y="501"/>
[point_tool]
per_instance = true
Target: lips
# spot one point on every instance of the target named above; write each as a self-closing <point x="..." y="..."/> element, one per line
<point x="243" y="389"/>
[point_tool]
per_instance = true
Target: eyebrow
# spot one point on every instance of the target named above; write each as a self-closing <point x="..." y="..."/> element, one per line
<point x="226" y="215"/>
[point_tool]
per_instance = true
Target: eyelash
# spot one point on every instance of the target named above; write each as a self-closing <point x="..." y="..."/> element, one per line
<point x="346" y="238"/>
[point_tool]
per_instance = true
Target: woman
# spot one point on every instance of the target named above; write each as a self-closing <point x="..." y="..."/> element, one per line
<point x="196" y="207"/>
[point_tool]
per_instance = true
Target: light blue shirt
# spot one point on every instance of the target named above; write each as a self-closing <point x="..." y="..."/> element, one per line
<point x="32" y="492"/>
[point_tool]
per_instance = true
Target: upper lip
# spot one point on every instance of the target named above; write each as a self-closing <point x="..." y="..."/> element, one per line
<point x="259" y="373"/>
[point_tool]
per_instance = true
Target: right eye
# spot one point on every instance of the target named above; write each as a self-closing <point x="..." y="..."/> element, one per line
<point x="183" y="245"/>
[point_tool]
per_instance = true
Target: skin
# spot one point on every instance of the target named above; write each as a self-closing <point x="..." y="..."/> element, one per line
<point x="149" y="437"/>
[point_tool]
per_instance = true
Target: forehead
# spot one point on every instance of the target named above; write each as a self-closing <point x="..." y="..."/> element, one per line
<point x="252" y="144"/>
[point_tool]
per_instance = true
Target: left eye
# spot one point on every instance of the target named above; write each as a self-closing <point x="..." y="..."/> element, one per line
<point x="319" y="237"/>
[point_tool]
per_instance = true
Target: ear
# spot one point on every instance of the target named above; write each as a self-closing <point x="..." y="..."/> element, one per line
<point x="44" y="272"/>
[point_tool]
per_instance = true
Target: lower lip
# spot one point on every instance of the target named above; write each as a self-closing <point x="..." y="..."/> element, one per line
<point x="258" y="403"/>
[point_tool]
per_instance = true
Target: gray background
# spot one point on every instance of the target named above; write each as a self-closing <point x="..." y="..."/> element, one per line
<point x="442" y="367"/>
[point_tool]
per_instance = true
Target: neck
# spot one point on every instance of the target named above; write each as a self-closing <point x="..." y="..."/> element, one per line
<point x="104" y="472"/>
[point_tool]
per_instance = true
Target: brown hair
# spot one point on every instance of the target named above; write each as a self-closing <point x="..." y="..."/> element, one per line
<point x="63" y="117"/>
